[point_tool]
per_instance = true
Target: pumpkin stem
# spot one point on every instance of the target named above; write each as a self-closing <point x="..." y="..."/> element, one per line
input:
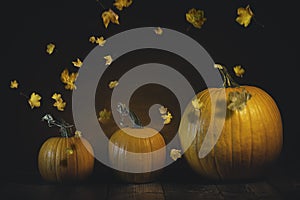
<point x="125" y="112"/>
<point x="228" y="81"/>
<point x="65" y="128"/>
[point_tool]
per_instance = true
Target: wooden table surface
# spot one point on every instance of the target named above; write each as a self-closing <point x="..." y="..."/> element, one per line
<point x="177" y="182"/>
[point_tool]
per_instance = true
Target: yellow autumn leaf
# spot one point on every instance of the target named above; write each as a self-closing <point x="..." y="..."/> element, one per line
<point x="113" y="84"/>
<point x="100" y="41"/>
<point x="104" y="115"/>
<point x="197" y="104"/>
<point x="158" y="31"/>
<point x="120" y="4"/>
<point x="244" y="16"/>
<point x="110" y="16"/>
<point x="239" y="71"/>
<point x="195" y="17"/>
<point x="175" y="154"/>
<point x="92" y="39"/>
<point x="78" y="134"/>
<point x="108" y="60"/>
<point x="60" y="104"/>
<point x="50" y="48"/>
<point x="69" y="79"/>
<point x="34" y="100"/>
<point x="14" y="84"/>
<point x="167" y="118"/>
<point x="163" y="110"/>
<point x="56" y="96"/>
<point x="77" y="63"/>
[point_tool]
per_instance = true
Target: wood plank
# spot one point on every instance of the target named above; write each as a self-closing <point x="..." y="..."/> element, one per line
<point x="185" y="191"/>
<point x="234" y="191"/>
<point x="145" y="191"/>
<point x="54" y="191"/>
<point x="264" y="191"/>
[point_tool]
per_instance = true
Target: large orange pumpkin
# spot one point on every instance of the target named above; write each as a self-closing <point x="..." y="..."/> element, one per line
<point x="66" y="158"/>
<point x="137" y="140"/>
<point x="251" y="137"/>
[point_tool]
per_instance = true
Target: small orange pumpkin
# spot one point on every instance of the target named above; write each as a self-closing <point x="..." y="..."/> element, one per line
<point x="66" y="158"/>
<point x="137" y="139"/>
<point x="251" y="137"/>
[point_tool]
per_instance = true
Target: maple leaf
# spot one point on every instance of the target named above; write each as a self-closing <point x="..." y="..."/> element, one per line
<point x="167" y="118"/>
<point x="175" y="154"/>
<point x="120" y="4"/>
<point x="14" y="84"/>
<point x="50" y="48"/>
<point x="69" y="79"/>
<point x="195" y="17"/>
<point x="78" y="134"/>
<point x="110" y="16"/>
<point x="113" y="84"/>
<point x="108" y="60"/>
<point x="239" y="71"/>
<point x="77" y="63"/>
<point x="104" y="115"/>
<point x="92" y="39"/>
<point x="34" y="100"/>
<point x="238" y="100"/>
<point x="59" y="102"/>
<point x="197" y="104"/>
<point x="244" y="16"/>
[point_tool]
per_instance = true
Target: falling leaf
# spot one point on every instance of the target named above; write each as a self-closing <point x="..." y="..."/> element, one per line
<point x="14" y="84"/>
<point x="77" y="63"/>
<point x="34" y="100"/>
<point x="238" y="100"/>
<point x="167" y="117"/>
<point x="108" y="60"/>
<point x="50" y="48"/>
<point x="113" y="84"/>
<point x="100" y="41"/>
<point x="175" y="154"/>
<point x="158" y="31"/>
<point x="110" y="16"/>
<point x="69" y="79"/>
<point x="197" y="104"/>
<point x="195" y="17"/>
<point x="104" y="115"/>
<point x="59" y="102"/>
<point x="78" y="134"/>
<point x="92" y="39"/>
<point x="120" y="4"/>
<point x="239" y="71"/>
<point x="163" y="110"/>
<point x="244" y="16"/>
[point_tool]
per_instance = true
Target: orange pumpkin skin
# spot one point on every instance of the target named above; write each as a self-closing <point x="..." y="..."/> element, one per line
<point x="138" y="142"/>
<point x="55" y="164"/>
<point x="250" y="142"/>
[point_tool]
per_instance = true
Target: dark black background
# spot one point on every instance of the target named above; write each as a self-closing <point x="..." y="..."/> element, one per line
<point x="268" y="53"/>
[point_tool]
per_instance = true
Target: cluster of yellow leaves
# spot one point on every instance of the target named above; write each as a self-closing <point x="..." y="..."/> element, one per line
<point x="238" y="100"/>
<point x="195" y="17"/>
<point x="69" y="79"/>
<point x="98" y="40"/>
<point x="165" y="114"/>
<point x="104" y="115"/>
<point x="244" y="16"/>
<point x="59" y="102"/>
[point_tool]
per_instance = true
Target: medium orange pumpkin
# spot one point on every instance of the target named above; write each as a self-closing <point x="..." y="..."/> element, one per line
<point x="137" y="140"/>
<point x="66" y="158"/>
<point x="251" y="137"/>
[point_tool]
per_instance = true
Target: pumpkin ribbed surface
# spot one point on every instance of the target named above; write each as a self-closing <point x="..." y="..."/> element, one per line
<point x="250" y="141"/>
<point x="65" y="159"/>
